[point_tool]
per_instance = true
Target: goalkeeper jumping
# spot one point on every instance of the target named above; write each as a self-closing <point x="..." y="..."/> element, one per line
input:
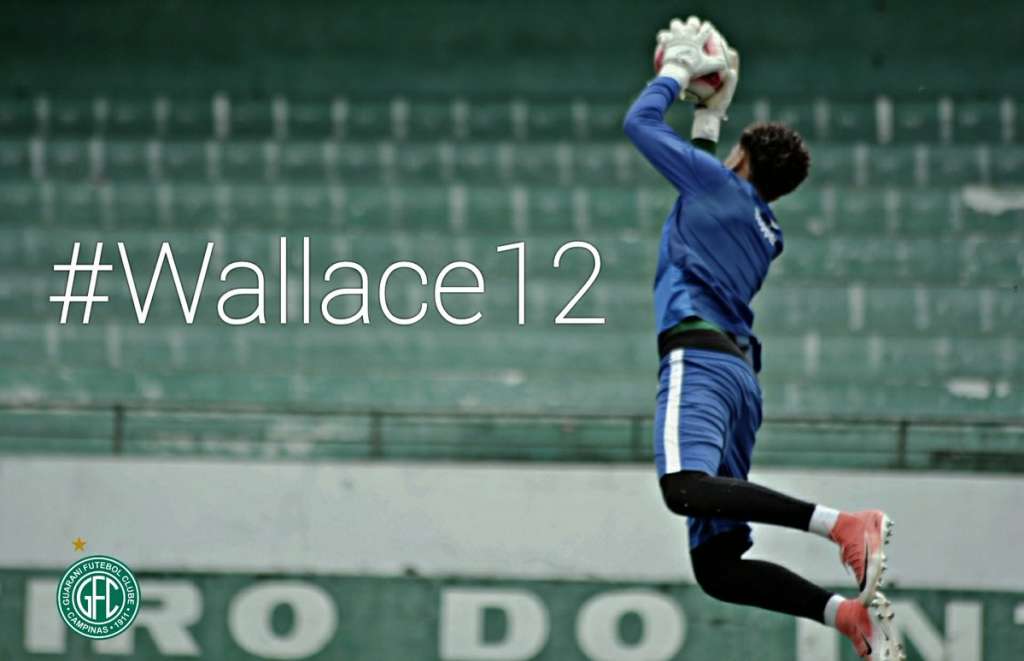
<point x="716" y="246"/>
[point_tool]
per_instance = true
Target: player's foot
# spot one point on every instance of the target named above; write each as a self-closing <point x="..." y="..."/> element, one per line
<point x="886" y="645"/>
<point x="862" y="537"/>
<point x="872" y="633"/>
<point x="854" y="621"/>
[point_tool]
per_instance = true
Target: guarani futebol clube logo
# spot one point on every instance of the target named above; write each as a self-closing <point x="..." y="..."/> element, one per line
<point x="98" y="597"/>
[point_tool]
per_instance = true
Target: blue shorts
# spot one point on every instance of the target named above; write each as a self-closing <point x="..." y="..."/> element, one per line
<point x="709" y="410"/>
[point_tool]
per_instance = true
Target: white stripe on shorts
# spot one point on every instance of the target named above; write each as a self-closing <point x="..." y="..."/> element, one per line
<point x="670" y="434"/>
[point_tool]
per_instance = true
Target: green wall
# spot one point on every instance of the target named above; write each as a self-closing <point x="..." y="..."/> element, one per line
<point x="384" y="619"/>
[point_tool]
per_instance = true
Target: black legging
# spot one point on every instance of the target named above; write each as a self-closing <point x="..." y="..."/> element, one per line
<point x="692" y="493"/>
<point x="718" y="563"/>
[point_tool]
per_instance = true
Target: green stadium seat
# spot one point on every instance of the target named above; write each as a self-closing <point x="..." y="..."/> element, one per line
<point x="851" y="122"/>
<point x="479" y="162"/>
<point x="978" y="122"/>
<point x="554" y="121"/>
<point x="430" y="120"/>
<point x="918" y="122"/>
<point x="188" y="118"/>
<point x="993" y="261"/>
<point x="495" y="209"/>
<point x="310" y="119"/>
<point x="781" y="309"/>
<point x="418" y="162"/>
<point x="14" y="159"/>
<point x="254" y="118"/>
<point x="798" y="115"/>
<point x="67" y="159"/>
<point x="71" y="116"/>
<point x="368" y="120"/>
<point x="367" y="208"/>
<point x="547" y="163"/>
<point x="831" y="165"/>
<point x="926" y="213"/>
<point x="84" y="205"/>
<point x="613" y="164"/>
<point x="893" y="165"/>
<point x="129" y="159"/>
<point x="353" y="162"/>
<point x="130" y="117"/>
<point x="241" y="160"/>
<point x="181" y="160"/>
<point x="955" y="166"/>
<point x="604" y="119"/>
<point x="550" y="209"/>
<point x="1007" y="166"/>
<point x="494" y="120"/>
<point x="21" y="202"/>
<point x="861" y="211"/>
<point x="611" y="210"/>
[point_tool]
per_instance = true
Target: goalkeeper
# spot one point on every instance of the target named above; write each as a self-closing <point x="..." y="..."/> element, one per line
<point x="716" y="247"/>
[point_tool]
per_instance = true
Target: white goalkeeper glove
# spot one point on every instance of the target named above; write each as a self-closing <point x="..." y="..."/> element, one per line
<point x="709" y="115"/>
<point x="683" y="56"/>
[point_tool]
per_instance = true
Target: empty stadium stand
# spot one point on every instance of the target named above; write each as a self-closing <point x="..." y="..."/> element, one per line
<point x="897" y="301"/>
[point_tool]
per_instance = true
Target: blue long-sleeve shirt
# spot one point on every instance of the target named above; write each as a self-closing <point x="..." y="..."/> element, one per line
<point x="720" y="237"/>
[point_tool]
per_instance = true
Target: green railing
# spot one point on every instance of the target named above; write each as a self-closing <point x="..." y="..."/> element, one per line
<point x="309" y="433"/>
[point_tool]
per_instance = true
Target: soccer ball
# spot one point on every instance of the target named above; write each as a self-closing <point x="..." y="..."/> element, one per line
<point x="701" y="88"/>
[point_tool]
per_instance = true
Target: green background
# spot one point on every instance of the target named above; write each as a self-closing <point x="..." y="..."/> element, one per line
<point x="590" y="46"/>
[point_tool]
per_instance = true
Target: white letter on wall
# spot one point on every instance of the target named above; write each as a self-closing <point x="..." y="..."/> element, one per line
<point x="664" y="626"/>
<point x="462" y="624"/>
<point x="249" y="614"/>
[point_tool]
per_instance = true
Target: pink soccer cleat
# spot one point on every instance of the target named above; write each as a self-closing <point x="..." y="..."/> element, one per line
<point x="872" y="634"/>
<point x="886" y="645"/>
<point x="861" y="537"/>
<point x="854" y="621"/>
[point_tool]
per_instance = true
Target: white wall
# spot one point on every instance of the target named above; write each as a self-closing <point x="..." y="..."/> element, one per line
<point x="517" y="521"/>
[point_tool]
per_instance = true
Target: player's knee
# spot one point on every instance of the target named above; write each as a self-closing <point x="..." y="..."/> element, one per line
<point x="709" y="571"/>
<point x="714" y="563"/>
<point x="679" y="491"/>
<point x="710" y="577"/>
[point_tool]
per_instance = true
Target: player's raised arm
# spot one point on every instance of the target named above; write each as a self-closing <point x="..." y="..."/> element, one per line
<point x="683" y="57"/>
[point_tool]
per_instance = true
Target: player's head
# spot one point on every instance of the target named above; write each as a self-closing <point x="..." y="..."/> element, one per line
<point x="773" y="157"/>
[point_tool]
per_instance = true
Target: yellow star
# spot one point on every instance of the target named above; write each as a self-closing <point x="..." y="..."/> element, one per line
<point x="79" y="544"/>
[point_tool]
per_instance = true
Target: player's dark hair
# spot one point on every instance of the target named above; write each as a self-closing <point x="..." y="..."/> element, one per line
<point x="779" y="160"/>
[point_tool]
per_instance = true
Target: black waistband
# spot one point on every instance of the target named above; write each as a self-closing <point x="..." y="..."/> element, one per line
<point x="698" y="339"/>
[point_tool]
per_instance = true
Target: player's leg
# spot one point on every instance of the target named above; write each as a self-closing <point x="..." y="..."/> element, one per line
<point x="708" y="416"/>
<point x="861" y="536"/>
<point x="717" y="546"/>
<point x="721" y="571"/>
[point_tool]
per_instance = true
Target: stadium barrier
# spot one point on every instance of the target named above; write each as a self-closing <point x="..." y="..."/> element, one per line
<point x="289" y="432"/>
